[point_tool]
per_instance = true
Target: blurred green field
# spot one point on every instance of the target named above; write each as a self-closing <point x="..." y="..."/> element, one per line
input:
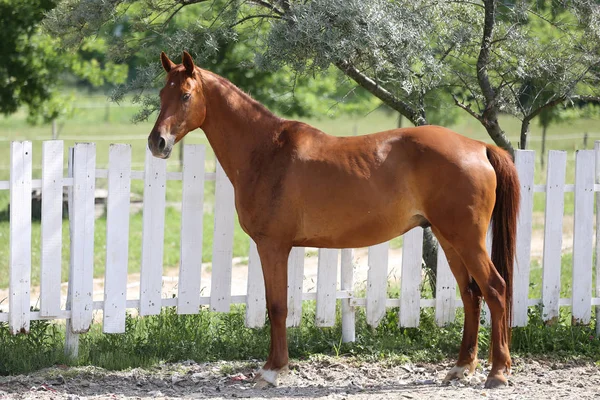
<point x="97" y="120"/>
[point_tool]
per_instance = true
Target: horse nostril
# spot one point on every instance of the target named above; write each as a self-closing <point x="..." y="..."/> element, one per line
<point x="162" y="143"/>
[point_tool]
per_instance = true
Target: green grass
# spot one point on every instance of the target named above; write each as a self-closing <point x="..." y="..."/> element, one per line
<point x="207" y="336"/>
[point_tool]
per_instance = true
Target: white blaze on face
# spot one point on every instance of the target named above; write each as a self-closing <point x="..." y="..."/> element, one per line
<point x="171" y="84"/>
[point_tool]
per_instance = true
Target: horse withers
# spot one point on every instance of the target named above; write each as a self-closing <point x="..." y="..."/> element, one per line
<point x="297" y="186"/>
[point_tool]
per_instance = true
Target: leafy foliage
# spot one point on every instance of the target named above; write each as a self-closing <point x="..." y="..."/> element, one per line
<point x="216" y="34"/>
<point x="32" y="63"/>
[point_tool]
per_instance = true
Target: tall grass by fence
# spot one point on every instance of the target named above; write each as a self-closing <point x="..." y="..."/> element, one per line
<point x="79" y="305"/>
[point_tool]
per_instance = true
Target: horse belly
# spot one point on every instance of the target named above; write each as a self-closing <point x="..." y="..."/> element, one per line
<point x="349" y="228"/>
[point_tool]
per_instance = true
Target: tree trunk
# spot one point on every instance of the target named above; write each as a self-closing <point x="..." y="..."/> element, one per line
<point x="524" y="134"/>
<point x="430" y="252"/>
<point x="543" y="152"/>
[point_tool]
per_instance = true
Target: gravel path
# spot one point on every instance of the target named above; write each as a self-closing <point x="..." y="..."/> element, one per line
<point x="320" y="377"/>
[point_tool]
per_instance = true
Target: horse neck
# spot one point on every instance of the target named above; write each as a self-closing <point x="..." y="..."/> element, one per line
<point x="235" y="125"/>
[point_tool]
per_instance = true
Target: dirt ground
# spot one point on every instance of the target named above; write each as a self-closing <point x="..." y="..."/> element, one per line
<point x="321" y="377"/>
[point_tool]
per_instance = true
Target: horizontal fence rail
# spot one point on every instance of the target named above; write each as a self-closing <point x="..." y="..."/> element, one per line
<point x="335" y="274"/>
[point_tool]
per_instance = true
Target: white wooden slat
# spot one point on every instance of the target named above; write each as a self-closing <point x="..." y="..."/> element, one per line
<point x="82" y="236"/>
<point x="20" y="236"/>
<point x="117" y="238"/>
<point x="377" y="283"/>
<point x="192" y="212"/>
<point x="220" y="292"/>
<point x="71" y="338"/>
<point x="525" y="163"/>
<point x="295" y="283"/>
<point x="153" y="226"/>
<point x="583" y="236"/>
<point x="347" y="284"/>
<point x="52" y="207"/>
<point x="255" y="301"/>
<point x="445" y="291"/>
<point x="597" y="248"/>
<point x="553" y="226"/>
<point x="326" y="285"/>
<point x="410" y="278"/>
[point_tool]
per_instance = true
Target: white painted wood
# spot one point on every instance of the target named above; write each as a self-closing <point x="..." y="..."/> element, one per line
<point x="445" y="291"/>
<point x="525" y="163"/>
<point x="255" y="301"/>
<point x="20" y="236"/>
<point x="192" y="212"/>
<point x="347" y="284"/>
<point x="52" y="207"/>
<point x="82" y="236"/>
<point x="117" y="238"/>
<point x="326" y="285"/>
<point x="583" y="237"/>
<point x="295" y="283"/>
<point x="220" y="292"/>
<point x="377" y="283"/>
<point x="555" y="201"/>
<point x="71" y="338"/>
<point x="153" y="226"/>
<point x="410" y="278"/>
<point x="597" y="249"/>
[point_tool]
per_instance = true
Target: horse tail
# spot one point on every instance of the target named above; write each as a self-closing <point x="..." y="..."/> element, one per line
<point x="504" y="223"/>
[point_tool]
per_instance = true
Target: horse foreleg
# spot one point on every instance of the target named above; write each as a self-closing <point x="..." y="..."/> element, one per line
<point x="274" y="265"/>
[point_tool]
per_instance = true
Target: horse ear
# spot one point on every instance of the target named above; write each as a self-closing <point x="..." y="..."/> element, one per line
<point x="188" y="63"/>
<point x="167" y="64"/>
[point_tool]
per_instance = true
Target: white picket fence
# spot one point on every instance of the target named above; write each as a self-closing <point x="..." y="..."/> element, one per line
<point x="80" y="306"/>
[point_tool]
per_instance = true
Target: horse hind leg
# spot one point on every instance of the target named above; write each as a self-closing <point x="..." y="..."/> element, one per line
<point x="493" y="289"/>
<point x="471" y="297"/>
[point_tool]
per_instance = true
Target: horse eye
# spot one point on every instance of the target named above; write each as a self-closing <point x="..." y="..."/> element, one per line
<point x="186" y="96"/>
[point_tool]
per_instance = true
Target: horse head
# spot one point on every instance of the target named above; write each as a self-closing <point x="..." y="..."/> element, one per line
<point x="182" y="105"/>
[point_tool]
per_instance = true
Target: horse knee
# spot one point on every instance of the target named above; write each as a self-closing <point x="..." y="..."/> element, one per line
<point x="277" y="311"/>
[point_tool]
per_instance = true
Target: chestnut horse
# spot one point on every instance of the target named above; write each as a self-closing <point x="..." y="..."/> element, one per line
<point x="297" y="186"/>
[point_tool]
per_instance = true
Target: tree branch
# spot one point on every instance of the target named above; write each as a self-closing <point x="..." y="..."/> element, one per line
<point x="241" y="21"/>
<point x="269" y="6"/>
<point x="380" y="92"/>
<point x="467" y="108"/>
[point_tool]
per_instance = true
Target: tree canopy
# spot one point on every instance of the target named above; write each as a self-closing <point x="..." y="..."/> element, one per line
<point x="31" y="62"/>
<point x="483" y="57"/>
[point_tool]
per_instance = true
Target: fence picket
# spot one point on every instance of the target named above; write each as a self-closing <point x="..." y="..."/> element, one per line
<point x="597" y="248"/>
<point x="555" y="204"/>
<point x="192" y="213"/>
<point x="20" y="236"/>
<point x="525" y="163"/>
<point x="410" y="278"/>
<point x="220" y="293"/>
<point x="255" y="301"/>
<point x="347" y="283"/>
<point x="326" y="285"/>
<point x="377" y="283"/>
<point x="52" y="207"/>
<point x="82" y="236"/>
<point x="295" y="283"/>
<point x="153" y="227"/>
<point x="445" y="291"/>
<point x="117" y="238"/>
<point x="583" y="237"/>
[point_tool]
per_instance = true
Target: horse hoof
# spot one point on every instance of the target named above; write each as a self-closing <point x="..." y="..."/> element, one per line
<point x="496" y="381"/>
<point x="458" y="372"/>
<point x="267" y="377"/>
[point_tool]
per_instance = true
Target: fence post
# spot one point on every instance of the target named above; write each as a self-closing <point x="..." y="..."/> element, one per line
<point x="597" y="250"/>
<point x="71" y="338"/>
